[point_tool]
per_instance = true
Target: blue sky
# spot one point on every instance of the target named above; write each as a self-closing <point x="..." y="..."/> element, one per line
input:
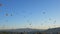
<point x="27" y="13"/>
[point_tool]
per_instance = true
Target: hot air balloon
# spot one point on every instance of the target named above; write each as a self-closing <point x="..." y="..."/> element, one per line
<point x="6" y="14"/>
<point x="11" y="15"/>
<point x="49" y="18"/>
<point x="0" y="4"/>
<point x="31" y="13"/>
<point x="29" y="24"/>
<point x="24" y="16"/>
<point x="43" y="12"/>
<point x="6" y="20"/>
<point x="54" y="21"/>
<point x="27" y="20"/>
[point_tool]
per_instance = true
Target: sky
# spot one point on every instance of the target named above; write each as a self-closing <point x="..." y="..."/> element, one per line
<point x="38" y="14"/>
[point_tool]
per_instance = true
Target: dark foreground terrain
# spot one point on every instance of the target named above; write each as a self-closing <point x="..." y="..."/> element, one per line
<point x="31" y="31"/>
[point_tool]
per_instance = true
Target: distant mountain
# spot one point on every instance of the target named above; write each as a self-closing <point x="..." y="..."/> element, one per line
<point x="23" y="30"/>
<point x="31" y="31"/>
<point x="52" y="30"/>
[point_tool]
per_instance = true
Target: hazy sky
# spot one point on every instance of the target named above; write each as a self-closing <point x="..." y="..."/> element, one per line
<point x="29" y="14"/>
